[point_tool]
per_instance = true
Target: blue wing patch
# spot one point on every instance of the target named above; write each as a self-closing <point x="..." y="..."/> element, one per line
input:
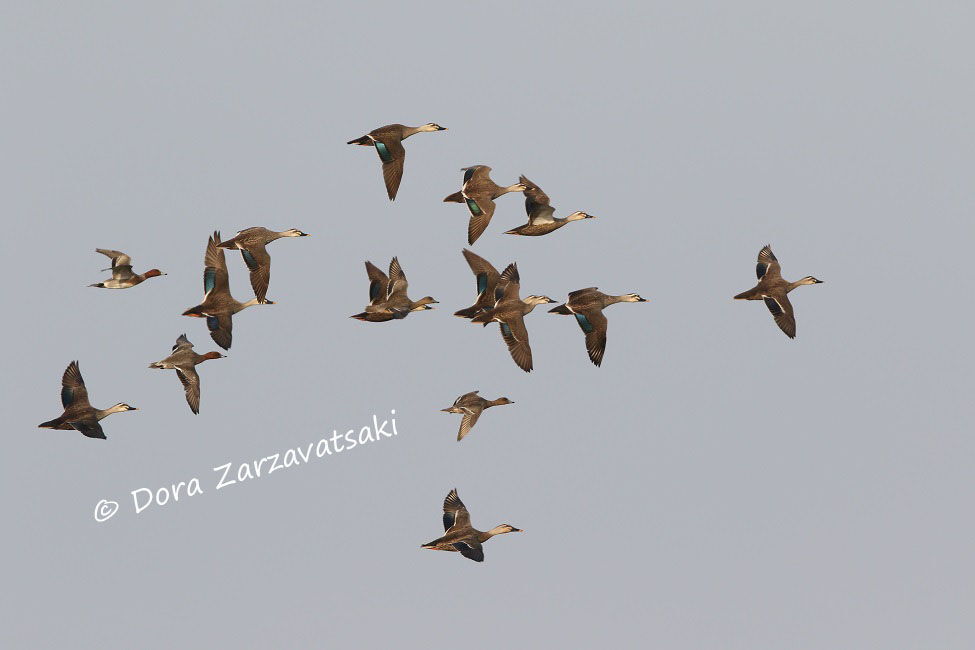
<point x="67" y="397"/>
<point x="584" y="323"/>
<point x="383" y="152"/>
<point x="373" y="290"/>
<point x="249" y="259"/>
<point x="209" y="279"/>
<point x="506" y="329"/>
<point x="469" y="173"/>
<point x="472" y="206"/>
<point x="212" y="323"/>
<point x="481" y="282"/>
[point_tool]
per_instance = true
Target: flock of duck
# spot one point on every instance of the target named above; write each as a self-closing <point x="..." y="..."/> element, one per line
<point x="498" y="300"/>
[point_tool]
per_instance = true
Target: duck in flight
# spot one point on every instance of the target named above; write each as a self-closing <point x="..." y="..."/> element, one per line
<point x="479" y="192"/>
<point x="184" y="361"/>
<point x="388" y="141"/>
<point x="459" y="535"/>
<point x="251" y="243"/>
<point x="122" y="275"/>
<point x="78" y="413"/>
<point x="219" y="306"/>
<point x="587" y="306"/>
<point x="773" y="289"/>
<point x="541" y="214"/>
<point x="510" y="311"/>
<point x="387" y="295"/>
<point x="471" y="405"/>
<point x="488" y="284"/>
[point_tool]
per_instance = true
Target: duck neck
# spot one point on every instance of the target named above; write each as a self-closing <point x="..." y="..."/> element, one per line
<point x="104" y="413"/>
<point x="494" y="402"/>
<point x="798" y="283"/>
<point x="497" y="530"/>
<point x="410" y="130"/>
<point x="244" y="305"/>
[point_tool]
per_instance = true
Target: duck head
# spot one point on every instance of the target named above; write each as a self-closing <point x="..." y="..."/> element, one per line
<point x="576" y="216"/>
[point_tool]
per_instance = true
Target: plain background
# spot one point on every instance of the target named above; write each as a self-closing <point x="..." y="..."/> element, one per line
<point x="713" y="485"/>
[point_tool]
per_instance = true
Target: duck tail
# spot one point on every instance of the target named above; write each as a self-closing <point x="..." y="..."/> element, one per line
<point x="195" y="311"/>
<point x="484" y="317"/>
<point x="456" y="197"/>
<point x="751" y="294"/>
<point x="50" y="424"/>
<point x="100" y="285"/>
<point x="561" y="309"/>
<point x="365" y="141"/>
<point x="470" y="312"/>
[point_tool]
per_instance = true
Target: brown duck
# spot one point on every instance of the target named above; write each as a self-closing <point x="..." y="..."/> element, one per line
<point x="78" y="413"/>
<point x="387" y="295"/>
<point x="219" y="306"/>
<point x="541" y="214"/>
<point x="510" y="311"/>
<point x="773" y="289"/>
<point x="251" y="243"/>
<point x="388" y="141"/>
<point x="184" y="361"/>
<point x="459" y="535"/>
<point x="479" y="192"/>
<point x="471" y="405"/>
<point x="122" y="275"/>
<point x="587" y="306"/>
<point x="489" y="284"/>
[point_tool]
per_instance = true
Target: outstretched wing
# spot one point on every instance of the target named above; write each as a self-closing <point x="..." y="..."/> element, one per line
<point x="781" y="309"/>
<point x="471" y="549"/>
<point x="515" y="335"/>
<point x="182" y="342"/>
<point x="397" y="279"/>
<point x="481" y="209"/>
<point x="476" y="174"/>
<point x="392" y="153"/>
<point x="258" y="261"/>
<point x="455" y="512"/>
<point x="221" y="329"/>
<point x="91" y="428"/>
<point x="536" y="203"/>
<point x="378" y="283"/>
<point x="118" y="257"/>
<point x="191" y="385"/>
<point x="484" y="272"/>
<point x="767" y="266"/>
<point x="73" y="391"/>
<point x="467" y="423"/>
<point x="593" y="323"/>
<point x="215" y="275"/>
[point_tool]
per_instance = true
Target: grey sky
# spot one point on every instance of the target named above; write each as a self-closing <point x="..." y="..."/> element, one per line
<point x="713" y="485"/>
